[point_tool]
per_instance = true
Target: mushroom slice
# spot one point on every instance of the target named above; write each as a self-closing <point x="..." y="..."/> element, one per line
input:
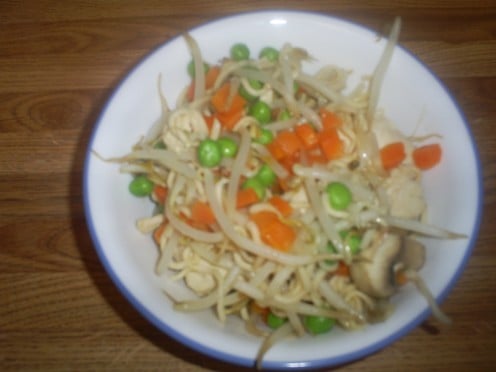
<point x="412" y="254"/>
<point x="373" y="274"/>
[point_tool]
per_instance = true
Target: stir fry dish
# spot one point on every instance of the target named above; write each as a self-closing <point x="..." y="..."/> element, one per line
<point x="285" y="198"/>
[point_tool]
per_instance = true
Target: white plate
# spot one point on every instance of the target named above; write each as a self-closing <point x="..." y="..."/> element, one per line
<point x="410" y="94"/>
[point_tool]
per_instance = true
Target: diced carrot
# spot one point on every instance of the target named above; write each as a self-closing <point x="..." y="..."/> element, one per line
<point x="229" y="119"/>
<point x="274" y="232"/>
<point x="288" y="162"/>
<point x="308" y="136"/>
<point x="201" y="213"/>
<point x="284" y="184"/>
<point x="160" y="193"/>
<point x="392" y="155"/>
<point x="315" y="157"/>
<point x="342" y="269"/>
<point x="190" y="93"/>
<point x="263" y="312"/>
<point x="289" y="142"/>
<point x="228" y="111"/>
<point x="209" y="120"/>
<point x="220" y="100"/>
<point x="275" y="150"/>
<point x="211" y="76"/>
<point x="158" y="232"/>
<point x="281" y="205"/>
<point x="427" y="156"/>
<point x="330" y="144"/>
<point x="246" y="197"/>
<point x="329" y="119"/>
<point x="400" y="278"/>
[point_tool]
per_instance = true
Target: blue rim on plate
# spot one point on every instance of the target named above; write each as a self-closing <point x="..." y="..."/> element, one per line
<point x="249" y="362"/>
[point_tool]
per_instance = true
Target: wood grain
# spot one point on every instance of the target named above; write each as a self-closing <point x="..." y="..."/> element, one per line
<point x="59" y="63"/>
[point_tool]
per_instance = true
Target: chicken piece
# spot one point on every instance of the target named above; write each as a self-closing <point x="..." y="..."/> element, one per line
<point x="200" y="283"/>
<point x="185" y="128"/>
<point x="404" y="193"/>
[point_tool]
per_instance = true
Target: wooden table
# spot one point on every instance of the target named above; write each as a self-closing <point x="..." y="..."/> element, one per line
<point x="60" y="61"/>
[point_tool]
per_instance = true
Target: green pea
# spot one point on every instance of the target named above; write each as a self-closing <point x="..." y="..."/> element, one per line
<point x="159" y="208"/>
<point x="270" y="53"/>
<point x="191" y="68"/>
<point x="209" y="153"/>
<point x="330" y="248"/>
<point x="141" y="186"/>
<point x="274" y="321"/>
<point x="261" y="111"/>
<point x="228" y="147"/>
<point x="284" y="115"/>
<point x="266" y="176"/>
<point x="240" y="52"/>
<point x="255" y="84"/>
<point x="339" y="195"/>
<point x="296" y="87"/>
<point x="160" y="145"/>
<point x="318" y="324"/>
<point x="353" y="240"/>
<point x="265" y="137"/>
<point x="256" y="185"/>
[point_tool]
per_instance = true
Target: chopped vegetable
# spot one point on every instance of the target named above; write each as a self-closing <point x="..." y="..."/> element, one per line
<point x="191" y="68"/>
<point x="246" y="197"/>
<point x="342" y="269"/>
<point x="266" y="176"/>
<point x="427" y="156"/>
<point x="273" y="231"/>
<point x="400" y="278"/>
<point x="230" y="119"/>
<point x="223" y="103"/>
<point x="289" y="143"/>
<point x="269" y="53"/>
<point x="276" y="150"/>
<point x="315" y="157"/>
<point x="160" y="145"/>
<point x="330" y="144"/>
<point x="228" y="147"/>
<point x="255" y="184"/>
<point x="240" y="52"/>
<point x="265" y="137"/>
<point x="141" y="186"/>
<point x="160" y="193"/>
<point x="307" y="135"/>
<point x="281" y="205"/>
<point x="255" y="84"/>
<point x="318" y="324"/>
<point x="209" y="153"/>
<point x="211" y="76"/>
<point x="284" y="115"/>
<point x="157" y="233"/>
<point x="229" y="109"/>
<point x="339" y="195"/>
<point x="353" y="241"/>
<point x="274" y="321"/>
<point x="330" y="121"/>
<point x="261" y="111"/>
<point x="392" y="155"/>
<point x="209" y="120"/>
<point x="201" y="213"/>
